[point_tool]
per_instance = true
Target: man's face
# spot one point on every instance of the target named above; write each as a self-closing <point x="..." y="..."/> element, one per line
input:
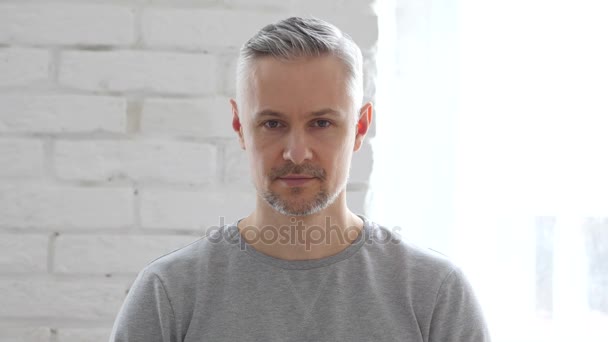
<point x="297" y="124"/>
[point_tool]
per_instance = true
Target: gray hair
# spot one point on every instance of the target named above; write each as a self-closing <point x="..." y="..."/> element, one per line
<point x="297" y="37"/>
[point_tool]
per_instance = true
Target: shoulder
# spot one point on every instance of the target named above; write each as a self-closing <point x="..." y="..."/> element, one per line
<point x="194" y="259"/>
<point x="416" y="264"/>
<point x="436" y="287"/>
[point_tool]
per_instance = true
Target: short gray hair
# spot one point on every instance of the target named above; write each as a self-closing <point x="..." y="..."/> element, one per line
<point x="298" y="37"/>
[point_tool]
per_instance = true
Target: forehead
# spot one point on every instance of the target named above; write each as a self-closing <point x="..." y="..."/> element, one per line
<point x="300" y="85"/>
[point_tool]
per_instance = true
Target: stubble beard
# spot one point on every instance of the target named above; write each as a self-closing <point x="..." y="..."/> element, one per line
<point x="301" y="207"/>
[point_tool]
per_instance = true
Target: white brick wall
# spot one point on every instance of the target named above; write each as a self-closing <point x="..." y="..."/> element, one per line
<point x="23" y="113"/>
<point x="116" y="145"/>
<point x="57" y="207"/>
<point x="171" y="209"/>
<point x="139" y="71"/>
<point x="61" y="298"/>
<point x="23" y="253"/>
<point x="198" y="29"/>
<point x="150" y="161"/>
<point x="21" y="158"/>
<point x="21" y="66"/>
<point x="24" y="334"/>
<point x="105" y="254"/>
<point x="203" y="118"/>
<point x="52" y="24"/>
<point x="84" y="335"/>
<point x="236" y="165"/>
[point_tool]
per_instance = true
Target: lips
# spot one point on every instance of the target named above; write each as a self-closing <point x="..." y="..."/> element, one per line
<point x="296" y="177"/>
<point x="296" y="180"/>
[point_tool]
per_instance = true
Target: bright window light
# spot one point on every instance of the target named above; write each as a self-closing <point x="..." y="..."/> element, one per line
<point x="492" y="148"/>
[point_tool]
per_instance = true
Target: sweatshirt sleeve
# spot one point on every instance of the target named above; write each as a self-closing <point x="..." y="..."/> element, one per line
<point x="146" y="314"/>
<point x="457" y="316"/>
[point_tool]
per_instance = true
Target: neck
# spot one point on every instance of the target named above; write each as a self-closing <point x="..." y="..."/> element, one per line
<point x="316" y="236"/>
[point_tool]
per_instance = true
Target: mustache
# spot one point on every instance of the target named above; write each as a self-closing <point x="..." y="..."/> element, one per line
<point x="304" y="169"/>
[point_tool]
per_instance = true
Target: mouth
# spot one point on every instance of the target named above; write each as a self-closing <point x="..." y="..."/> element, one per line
<point x="296" y="180"/>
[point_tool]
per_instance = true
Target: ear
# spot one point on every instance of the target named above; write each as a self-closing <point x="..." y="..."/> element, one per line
<point x="363" y="124"/>
<point x="236" y="123"/>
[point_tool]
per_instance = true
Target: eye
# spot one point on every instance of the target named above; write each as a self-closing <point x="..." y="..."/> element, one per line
<point x="271" y="124"/>
<point x="322" y="123"/>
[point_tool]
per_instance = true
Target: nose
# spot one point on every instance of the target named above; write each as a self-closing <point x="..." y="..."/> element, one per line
<point x="297" y="149"/>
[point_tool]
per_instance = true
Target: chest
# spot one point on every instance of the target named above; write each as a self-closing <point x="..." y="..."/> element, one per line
<point x="306" y="307"/>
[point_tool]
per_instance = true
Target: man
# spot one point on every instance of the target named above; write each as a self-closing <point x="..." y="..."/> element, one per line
<point x="302" y="266"/>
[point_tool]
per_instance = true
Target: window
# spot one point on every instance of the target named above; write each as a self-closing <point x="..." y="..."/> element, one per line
<point x="492" y="137"/>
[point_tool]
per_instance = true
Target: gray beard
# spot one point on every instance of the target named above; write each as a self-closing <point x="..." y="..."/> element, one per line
<point x="321" y="201"/>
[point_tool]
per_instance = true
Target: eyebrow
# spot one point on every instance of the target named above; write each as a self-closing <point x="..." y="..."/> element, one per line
<point x="324" y="111"/>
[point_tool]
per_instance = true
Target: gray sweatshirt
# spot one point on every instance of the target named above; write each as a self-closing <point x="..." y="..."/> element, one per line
<point x="380" y="288"/>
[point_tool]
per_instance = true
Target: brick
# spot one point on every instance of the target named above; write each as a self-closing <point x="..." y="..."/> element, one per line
<point x="84" y="334"/>
<point x="185" y="3"/>
<point x="111" y="254"/>
<point x="361" y="164"/>
<point x="230" y="77"/>
<point x="21" y="158"/>
<point x="142" y="71"/>
<point x="163" y="161"/>
<point x="321" y="6"/>
<point x="23" y="66"/>
<point x="62" y="113"/>
<point x="194" y="210"/>
<point x="23" y="253"/>
<point x="60" y="24"/>
<point x="236" y="164"/>
<point x="259" y="4"/>
<point x="14" y="333"/>
<point x="41" y="205"/>
<point x="80" y="299"/>
<point x="201" y="28"/>
<point x="197" y="118"/>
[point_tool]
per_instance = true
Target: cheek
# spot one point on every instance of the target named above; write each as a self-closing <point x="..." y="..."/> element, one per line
<point x="336" y="160"/>
<point x="260" y="160"/>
